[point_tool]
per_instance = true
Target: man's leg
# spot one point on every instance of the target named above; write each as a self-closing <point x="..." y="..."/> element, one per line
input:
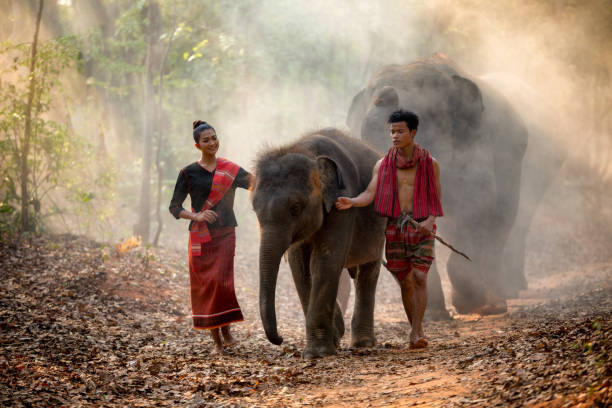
<point x="421" y="255"/>
<point x="414" y="297"/>
<point x="407" y="290"/>
<point x="417" y="337"/>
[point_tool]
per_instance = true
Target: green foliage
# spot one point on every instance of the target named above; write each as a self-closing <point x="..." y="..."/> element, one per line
<point x="57" y="159"/>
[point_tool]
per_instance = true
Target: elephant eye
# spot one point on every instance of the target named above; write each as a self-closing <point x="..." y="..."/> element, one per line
<point x="295" y="209"/>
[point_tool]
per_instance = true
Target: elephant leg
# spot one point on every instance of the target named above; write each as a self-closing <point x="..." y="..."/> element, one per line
<point x="436" y="310"/>
<point x="324" y="322"/>
<point x="513" y="275"/>
<point x="299" y="261"/>
<point x="344" y="291"/>
<point x="468" y="289"/>
<point x="362" y="324"/>
<point x="470" y="294"/>
<point x="476" y="285"/>
<point x="338" y="321"/>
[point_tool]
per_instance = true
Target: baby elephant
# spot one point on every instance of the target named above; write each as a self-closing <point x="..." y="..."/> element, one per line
<point x="294" y="194"/>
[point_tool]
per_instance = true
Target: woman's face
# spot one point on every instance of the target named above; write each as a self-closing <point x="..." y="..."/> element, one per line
<point x="208" y="142"/>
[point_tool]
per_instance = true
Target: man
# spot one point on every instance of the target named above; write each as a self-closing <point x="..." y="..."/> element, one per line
<point x="406" y="183"/>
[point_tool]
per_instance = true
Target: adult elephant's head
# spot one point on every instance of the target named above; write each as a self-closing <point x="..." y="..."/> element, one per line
<point x="293" y="190"/>
<point x="449" y="105"/>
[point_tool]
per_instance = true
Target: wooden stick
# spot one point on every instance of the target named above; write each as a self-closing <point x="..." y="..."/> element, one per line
<point x="416" y="225"/>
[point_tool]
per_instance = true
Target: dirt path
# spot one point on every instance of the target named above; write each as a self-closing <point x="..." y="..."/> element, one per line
<point x="81" y="327"/>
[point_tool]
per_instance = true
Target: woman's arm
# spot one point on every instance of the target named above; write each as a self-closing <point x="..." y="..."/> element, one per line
<point x="207" y="215"/>
<point x="181" y="190"/>
<point x="244" y="179"/>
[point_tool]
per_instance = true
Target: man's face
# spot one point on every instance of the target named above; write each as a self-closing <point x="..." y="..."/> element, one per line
<point x="401" y="136"/>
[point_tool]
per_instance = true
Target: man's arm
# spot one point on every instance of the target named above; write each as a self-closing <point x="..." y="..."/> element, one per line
<point x="363" y="199"/>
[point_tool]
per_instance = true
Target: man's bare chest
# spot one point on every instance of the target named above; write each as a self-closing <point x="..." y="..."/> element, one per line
<point x="405" y="177"/>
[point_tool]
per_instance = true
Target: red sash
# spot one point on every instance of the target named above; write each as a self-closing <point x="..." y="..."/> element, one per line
<point x="426" y="200"/>
<point x="225" y="173"/>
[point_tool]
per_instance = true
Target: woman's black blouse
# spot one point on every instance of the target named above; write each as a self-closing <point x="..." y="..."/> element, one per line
<point x="196" y="181"/>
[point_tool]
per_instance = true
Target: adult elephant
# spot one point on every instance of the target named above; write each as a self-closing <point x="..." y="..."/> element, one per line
<point x="479" y="141"/>
<point x="294" y="194"/>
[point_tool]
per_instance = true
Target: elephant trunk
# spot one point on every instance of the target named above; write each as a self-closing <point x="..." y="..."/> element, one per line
<point x="271" y="249"/>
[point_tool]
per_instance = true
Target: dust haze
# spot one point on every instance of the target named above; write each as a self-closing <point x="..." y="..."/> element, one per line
<point x="552" y="61"/>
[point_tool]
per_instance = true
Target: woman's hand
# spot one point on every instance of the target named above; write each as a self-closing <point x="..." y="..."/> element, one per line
<point x="207" y="215"/>
<point x="344" y="203"/>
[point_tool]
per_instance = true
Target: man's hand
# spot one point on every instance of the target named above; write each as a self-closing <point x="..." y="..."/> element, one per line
<point x="207" y="215"/>
<point x="344" y="203"/>
<point x="427" y="224"/>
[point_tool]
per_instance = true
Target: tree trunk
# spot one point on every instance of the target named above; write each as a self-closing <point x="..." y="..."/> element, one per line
<point x="25" y="195"/>
<point x="143" y="227"/>
<point x="159" y="121"/>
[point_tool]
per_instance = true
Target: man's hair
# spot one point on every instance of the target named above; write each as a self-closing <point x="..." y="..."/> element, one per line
<point x="198" y="127"/>
<point x="411" y="119"/>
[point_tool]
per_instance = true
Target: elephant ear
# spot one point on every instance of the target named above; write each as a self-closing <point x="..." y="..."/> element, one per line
<point x="468" y="106"/>
<point x="331" y="181"/>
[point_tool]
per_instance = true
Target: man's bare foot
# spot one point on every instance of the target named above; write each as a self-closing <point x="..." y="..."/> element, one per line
<point x="419" y="343"/>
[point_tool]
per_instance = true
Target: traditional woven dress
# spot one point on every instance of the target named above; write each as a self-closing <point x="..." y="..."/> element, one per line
<point x="211" y="246"/>
<point x="406" y="247"/>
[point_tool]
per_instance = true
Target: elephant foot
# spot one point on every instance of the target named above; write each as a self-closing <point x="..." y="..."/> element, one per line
<point x="437" y="315"/>
<point x="488" y="304"/>
<point x="338" y="329"/>
<point x="363" y="341"/>
<point x="463" y="304"/>
<point x="498" y="307"/>
<point x="311" y="352"/>
<point x="337" y="341"/>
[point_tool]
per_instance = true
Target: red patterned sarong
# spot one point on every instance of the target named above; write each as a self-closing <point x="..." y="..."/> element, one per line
<point x="211" y="276"/>
<point x="406" y="248"/>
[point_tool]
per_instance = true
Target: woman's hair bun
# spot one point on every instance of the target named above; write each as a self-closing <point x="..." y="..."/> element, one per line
<point x="198" y="122"/>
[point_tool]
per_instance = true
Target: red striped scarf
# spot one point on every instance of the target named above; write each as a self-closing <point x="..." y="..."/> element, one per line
<point x="225" y="173"/>
<point x="426" y="199"/>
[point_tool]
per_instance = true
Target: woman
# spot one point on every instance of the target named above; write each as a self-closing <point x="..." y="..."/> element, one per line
<point x="211" y="182"/>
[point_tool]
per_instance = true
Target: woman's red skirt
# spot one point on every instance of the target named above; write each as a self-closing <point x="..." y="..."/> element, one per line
<point x="211" y="277"/>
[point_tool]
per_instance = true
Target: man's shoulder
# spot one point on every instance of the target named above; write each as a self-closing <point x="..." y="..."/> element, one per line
<point x="378" y="163"/>
<point x="427" y="154"/>
<point x="435" y="162"/>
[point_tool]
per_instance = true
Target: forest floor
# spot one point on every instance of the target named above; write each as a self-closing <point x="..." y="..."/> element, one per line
<point x="83" y="325"/>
